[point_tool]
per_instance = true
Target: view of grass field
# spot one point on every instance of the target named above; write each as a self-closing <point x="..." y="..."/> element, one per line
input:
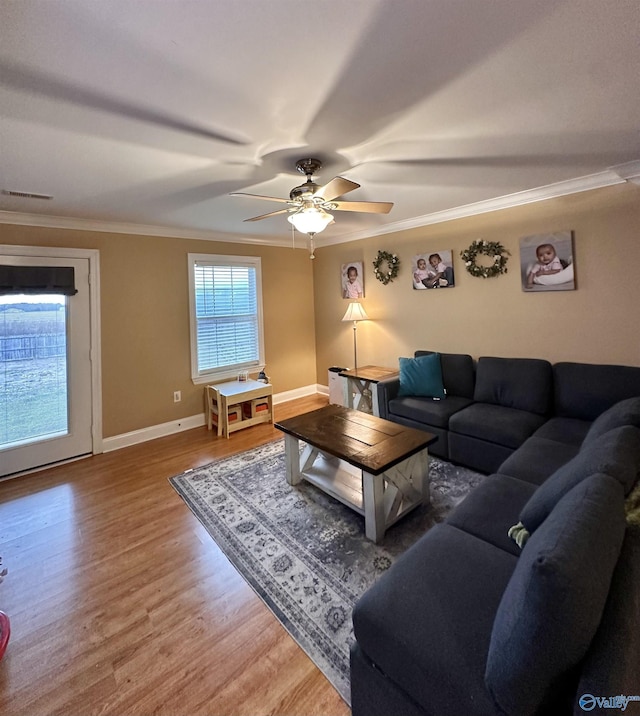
<point x="33" y="372"/>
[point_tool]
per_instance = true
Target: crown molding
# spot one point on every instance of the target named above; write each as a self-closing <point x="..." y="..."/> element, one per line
<point x="114" y="227"/>
<point x="509" y="201"/>
<point x="614" y="175"/>
<point x="629" y="171"/>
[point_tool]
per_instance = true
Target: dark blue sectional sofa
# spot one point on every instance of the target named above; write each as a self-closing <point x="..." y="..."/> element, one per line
<point x="526" y="600"/>
<point x="495" y="404"/>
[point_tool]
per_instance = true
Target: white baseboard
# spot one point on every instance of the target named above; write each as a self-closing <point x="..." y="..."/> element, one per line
<point x="295" y="393"/>
<point x="194" y="421"/>
<point x="151" y="433"/>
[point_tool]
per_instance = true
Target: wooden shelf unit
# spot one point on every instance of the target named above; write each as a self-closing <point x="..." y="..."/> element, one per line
<point x="219" y="398"/>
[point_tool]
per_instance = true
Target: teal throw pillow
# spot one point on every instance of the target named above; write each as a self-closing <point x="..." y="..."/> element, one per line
<point x="421" y="377"/>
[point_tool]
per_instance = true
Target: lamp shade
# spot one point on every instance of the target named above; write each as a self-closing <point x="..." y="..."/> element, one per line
<point x="355" y="312"/>
<point x="310" y="220"/>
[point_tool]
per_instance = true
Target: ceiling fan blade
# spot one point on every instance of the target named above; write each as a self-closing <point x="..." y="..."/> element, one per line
<point x="336" y="187"/>
<point x="48" y="85"/>
<point x="370" y="207"/>
<point x="259" y="196"/>
<point x="266" y="216"/>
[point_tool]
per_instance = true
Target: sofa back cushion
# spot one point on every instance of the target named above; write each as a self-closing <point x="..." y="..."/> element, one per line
<point x="521" y="383"/>
<point x="585" y="391"/>
<point x="616" y="453"/>
<point x="625" y="412"/>
<point x="458" y="373"/>
<point x="553" y="602"/>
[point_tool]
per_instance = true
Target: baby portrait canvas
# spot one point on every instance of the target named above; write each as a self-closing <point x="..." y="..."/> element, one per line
<point x="546" y="262"/>
<point x="432" y="270"/>
<point x="352" y="280"/>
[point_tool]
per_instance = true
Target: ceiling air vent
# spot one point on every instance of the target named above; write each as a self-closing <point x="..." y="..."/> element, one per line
<point x="25" y="194"/>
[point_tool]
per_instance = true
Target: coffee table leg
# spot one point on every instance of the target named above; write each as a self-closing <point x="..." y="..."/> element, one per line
<point x="373" y="499"/>
<point x="292" y="455"/>
<point x="420" y="475"/>
<point x="390" y="495"/>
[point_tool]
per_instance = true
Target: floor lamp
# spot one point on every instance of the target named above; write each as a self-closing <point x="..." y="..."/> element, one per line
<point x="355" y="313"/>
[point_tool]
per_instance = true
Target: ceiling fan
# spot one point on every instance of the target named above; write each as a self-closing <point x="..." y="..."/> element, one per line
<point x="309" y="204"/>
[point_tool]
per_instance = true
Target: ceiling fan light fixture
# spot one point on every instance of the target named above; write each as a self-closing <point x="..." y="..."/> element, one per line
<point x="310" y="204"/>
<point x="310" y="220"/>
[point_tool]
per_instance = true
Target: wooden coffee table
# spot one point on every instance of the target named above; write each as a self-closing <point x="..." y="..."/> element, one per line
<point x="378" y="468"/>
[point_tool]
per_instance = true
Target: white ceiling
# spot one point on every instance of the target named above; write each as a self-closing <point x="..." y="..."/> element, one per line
<point x="150" y="112"/>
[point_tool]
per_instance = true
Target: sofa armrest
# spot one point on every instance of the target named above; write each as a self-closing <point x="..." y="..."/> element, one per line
<point x="387" y="390"/>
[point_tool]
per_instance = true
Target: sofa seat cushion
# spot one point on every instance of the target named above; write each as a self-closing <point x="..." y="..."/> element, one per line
<point x="553" y="603"/>
<point x="428" y="411"/>
<point x="625" y="412"/>
<point x="571" y="431"/>
<point x="490" y="510"/>
<point x="537" y="459"/>
<point x="427" y="625"/>
<point x="476" y="454"/>
<point x="496" y="424"/>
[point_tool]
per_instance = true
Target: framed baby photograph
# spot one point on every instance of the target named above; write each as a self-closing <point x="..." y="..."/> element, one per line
<point x="432" y="270"/>
<point x="546" y="262"/>
<point x="352" y="280"/>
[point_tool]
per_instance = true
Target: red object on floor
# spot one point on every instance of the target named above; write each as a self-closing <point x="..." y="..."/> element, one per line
<point x="5" y="631"/>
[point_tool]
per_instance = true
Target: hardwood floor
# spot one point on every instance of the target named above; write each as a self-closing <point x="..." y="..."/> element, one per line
<point x="120" y="602"/>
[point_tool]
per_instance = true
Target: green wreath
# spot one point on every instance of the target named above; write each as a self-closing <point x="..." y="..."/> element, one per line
<point x="391" y="271"/>
<point x="494" y="250"/>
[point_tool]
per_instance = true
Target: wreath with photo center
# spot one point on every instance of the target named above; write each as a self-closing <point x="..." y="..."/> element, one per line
<point x="390" y="271"/>
<point x="494" y="250"/>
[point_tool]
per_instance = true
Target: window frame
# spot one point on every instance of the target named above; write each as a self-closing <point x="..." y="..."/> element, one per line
<point x="216" y="374"/>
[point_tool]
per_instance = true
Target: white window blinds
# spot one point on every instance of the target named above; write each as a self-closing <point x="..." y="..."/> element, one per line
<point x="226" y="314"/>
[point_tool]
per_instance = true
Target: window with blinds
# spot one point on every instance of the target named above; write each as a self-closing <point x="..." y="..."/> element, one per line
<point x="226" y="315"/>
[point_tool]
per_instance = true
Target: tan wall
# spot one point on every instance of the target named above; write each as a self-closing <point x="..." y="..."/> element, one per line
<point x="145" y="320"/>
<point x="597" y="323"/>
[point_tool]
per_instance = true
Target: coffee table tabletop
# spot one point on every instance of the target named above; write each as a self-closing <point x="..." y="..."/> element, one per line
<point x="364" y="441"/>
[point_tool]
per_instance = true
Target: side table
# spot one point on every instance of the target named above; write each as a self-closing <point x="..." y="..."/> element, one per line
<point x="361" y="387"/>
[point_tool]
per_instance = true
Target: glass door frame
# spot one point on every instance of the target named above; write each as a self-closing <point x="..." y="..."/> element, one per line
<point x="93" y="257"/>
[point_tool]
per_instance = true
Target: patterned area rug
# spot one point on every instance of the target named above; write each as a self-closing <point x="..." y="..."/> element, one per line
<point x="303" y="552"/>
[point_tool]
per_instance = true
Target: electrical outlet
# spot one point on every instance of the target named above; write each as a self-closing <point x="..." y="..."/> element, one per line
<point x="177" y="396"/>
